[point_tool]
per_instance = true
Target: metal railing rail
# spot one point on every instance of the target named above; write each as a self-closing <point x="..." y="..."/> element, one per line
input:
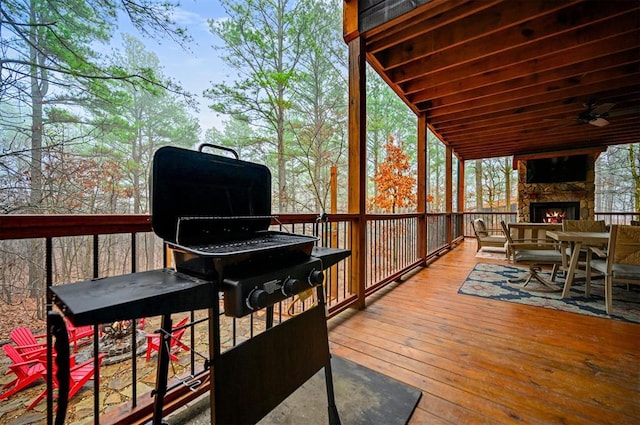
<point x="617" y="217"/>
<point x="492" y="219"/>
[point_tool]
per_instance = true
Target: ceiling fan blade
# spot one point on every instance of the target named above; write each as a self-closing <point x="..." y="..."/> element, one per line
<point x="620" y="112"/>
<point x="602" y="109"/>
<point x="599" y="122"/>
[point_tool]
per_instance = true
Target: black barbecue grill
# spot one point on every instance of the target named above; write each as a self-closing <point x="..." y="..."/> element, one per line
<point x="215" y="212"/>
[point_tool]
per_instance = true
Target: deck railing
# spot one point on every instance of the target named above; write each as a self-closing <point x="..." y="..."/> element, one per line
<point x="39" y="251"/>
<point x="492" y="219"/>
<point x="617" y="217"/>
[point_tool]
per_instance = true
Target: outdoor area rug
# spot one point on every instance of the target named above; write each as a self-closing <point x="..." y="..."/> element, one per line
<point x="491" y="281"/>
<point x="492" y="254"/>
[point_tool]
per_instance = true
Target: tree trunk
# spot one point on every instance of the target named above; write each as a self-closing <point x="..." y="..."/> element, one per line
<point x="478" y="185"/>
<point x="135" y="182"/>
<point x="38" y="90"/>
<point x="282" y="180"/>
<point x="635" y="172"/>
<point x="507" y="184"/>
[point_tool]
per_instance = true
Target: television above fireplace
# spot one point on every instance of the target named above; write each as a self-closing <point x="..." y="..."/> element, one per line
<point x="558" y="169"/>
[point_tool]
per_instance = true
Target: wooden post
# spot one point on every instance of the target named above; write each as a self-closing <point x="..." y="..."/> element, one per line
<point x="422" y="187"/>
<point x="334" y="231"/>
<point x="460" y="185"/>
<point x="168" y="256"/>
<point x="334" y="190"/>
<point x="449" y="191"/>
<point x="350" y="20"/>
<point x="357" y="187"/>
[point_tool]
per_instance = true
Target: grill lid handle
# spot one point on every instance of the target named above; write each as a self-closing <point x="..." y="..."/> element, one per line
<point x="222" y="148"/>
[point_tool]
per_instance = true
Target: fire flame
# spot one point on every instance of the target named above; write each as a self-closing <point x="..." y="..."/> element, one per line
<point x="554" y="216"/>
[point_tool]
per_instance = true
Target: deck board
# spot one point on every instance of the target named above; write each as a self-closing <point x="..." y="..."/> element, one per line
<point x="485" y="361"/>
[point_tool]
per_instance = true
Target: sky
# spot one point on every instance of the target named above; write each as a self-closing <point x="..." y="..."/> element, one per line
<point x="194" y="70"/>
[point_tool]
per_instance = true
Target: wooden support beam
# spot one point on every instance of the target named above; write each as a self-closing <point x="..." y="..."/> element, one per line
<point x="460" y="185"/>
<point x="422" y="186"/>
<point x="357" y="187"/>
<point x="333" y="292"/>
<point x="350" y="20"/>
<point x="449" y="190"/>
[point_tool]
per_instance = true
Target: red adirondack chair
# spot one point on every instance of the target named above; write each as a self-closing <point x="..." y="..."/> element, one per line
<point x="27" y="343"/>
<point x="79" y="335"/>
<point x="78" y="376"/>
<point x="153" y="341"/>
<point x="27" y="371"/>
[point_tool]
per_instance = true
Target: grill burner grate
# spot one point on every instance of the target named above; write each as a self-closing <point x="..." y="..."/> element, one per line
<point x="267" y="241"/>
<point x="218" y="228"/>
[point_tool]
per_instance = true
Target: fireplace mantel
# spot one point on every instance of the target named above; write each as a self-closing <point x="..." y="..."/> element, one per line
<point x="571" y="195"/>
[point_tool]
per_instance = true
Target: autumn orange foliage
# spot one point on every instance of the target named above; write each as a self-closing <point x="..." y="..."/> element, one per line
<point x="394" y="179"/>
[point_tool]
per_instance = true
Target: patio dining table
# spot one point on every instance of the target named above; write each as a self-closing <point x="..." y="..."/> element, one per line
<point x="577" y="240"/>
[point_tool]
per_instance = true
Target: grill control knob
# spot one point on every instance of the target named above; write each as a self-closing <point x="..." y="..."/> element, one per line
<point x="291" y="287"/>
<point x="316" y="277"/>
<point x="257" y="299"/>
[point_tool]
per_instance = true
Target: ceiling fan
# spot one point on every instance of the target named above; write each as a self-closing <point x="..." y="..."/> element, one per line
<point x="596" y="115"/>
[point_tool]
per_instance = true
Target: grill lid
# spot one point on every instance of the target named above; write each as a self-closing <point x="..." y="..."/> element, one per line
<point x="199" y="198"/>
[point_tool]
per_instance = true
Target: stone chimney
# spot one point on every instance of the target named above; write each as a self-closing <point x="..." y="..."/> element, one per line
<point x="579" y="191"/>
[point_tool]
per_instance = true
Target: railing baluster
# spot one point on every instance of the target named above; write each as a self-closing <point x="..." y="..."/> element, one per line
<point x="96" y="348"/>
<point x="134" y="333"/>
<point x="49" y="283"/>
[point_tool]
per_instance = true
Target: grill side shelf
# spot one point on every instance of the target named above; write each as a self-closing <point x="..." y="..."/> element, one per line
<point x="330" y="256"/>
<point x="132" y="296"/>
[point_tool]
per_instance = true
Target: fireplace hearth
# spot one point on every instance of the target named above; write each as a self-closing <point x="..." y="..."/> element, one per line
<point x="554" y="212"/>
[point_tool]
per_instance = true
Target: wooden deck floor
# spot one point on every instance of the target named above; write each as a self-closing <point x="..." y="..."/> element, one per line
<point x="486" y="361"/>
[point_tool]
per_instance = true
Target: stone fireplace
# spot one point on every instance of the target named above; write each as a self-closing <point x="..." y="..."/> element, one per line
<point x="578" y="195"/>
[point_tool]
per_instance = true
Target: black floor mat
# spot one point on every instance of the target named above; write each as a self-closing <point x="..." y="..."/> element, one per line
<point x="363" y="397"/>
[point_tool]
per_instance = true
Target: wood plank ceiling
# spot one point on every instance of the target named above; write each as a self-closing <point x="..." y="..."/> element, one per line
<point x="501" y="78"/>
